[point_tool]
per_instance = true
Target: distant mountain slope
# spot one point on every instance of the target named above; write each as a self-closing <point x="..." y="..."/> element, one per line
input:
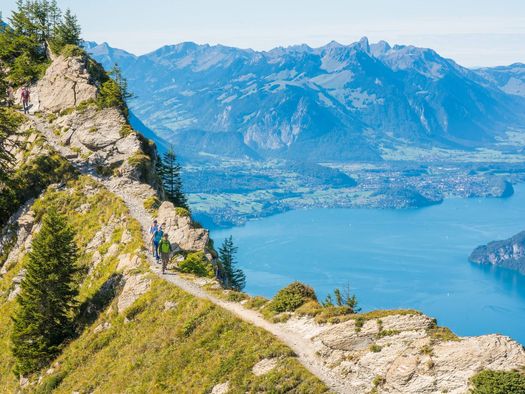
<point x="509" y="253"/>
<point x="334" y="103"/>
<point x="510" y="79"/>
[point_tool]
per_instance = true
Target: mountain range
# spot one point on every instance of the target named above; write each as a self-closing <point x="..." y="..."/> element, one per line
<point x="333" y="103"/>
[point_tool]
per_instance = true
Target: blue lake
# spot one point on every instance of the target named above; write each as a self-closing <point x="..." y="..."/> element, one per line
<point x="395" y="259"/>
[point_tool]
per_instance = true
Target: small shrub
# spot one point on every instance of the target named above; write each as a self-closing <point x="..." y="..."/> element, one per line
<point x="151" y="203"/>
<point x="426" y="350"/>
<point x="442" y="334"/>
<point x="104" y="170"/>
<point x="256" y="302"/>
<point x="51" y="118"/>
<point x="310" y="308"/>
<point x="140" y="161"/>
<point x="67" y="111"/>
<point x="386" y="333"/>
<point x="359" y="323"/>
<point x="197" y="264"/>
<point x="84" y="105"/>
<point x="125" y="130"/>
<point x="71" y="50"/>
<point x="50" y="383"/>
<point x="182" y="212"/>
<point x="498" y="382"/>
<point x="378" y="381"/>
<point x="93" y="129"/>
<point x="236" y="296"/>
<point x="292" y="297"/>
<point x="374" y="348"/>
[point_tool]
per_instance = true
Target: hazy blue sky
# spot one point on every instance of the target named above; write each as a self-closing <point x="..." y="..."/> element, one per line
<point x="473" y="32"/>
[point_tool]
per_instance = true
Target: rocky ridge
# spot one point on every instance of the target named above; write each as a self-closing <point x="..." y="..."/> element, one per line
<point x="393" y="353"/>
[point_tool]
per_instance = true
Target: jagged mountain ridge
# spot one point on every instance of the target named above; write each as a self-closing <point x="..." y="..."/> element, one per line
<point x="333" y="103"/>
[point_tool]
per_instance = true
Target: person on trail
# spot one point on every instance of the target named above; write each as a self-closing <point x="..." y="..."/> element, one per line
<point x="165" y="250"/>
<point x="156" y="237"/>
<point x="154" y="227"/>
<point x="10" y="96"/>
<point x="25" y="95"/>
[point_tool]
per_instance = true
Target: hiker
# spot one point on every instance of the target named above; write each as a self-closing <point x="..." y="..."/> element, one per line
<point x="165" y="251"/>
<point x="25" y="95"/>
<point x="10" y="96"/>
<point x="152" y="230"/>
<point x="155" y="238"/>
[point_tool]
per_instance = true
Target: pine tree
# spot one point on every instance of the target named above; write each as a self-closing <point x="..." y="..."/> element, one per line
<point x="232" y="277"/>
<point x="169" y="171"/>
<point x="45" y="305"/>
<point x="36" y="18"/>
<point x="67" y="32"/>
<point x="114" y="92"/>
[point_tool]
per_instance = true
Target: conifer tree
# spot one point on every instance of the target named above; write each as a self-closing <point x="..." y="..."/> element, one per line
<point x="67" y="32"/>
<point x="114" y="92"/>
<point x="232" y="277"/>
<point x="169" y="171"/>
<point x="45" y="305"/>
<point x="36" y="18"/>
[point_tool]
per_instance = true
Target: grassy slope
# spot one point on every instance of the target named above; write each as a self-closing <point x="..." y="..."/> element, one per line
<point x="189" y="348"/>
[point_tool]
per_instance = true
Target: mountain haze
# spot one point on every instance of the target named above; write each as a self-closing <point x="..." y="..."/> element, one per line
<point x="333" y="103"/>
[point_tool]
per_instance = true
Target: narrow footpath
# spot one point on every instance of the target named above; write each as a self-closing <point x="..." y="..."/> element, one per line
<point x="302" y="347"/>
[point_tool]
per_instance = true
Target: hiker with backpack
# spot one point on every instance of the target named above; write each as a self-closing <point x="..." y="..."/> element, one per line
<point x="25" y="95"/>
<point x="156" y="238"/>
<point x="165" y="250"/>
<point x="152" y="230"/>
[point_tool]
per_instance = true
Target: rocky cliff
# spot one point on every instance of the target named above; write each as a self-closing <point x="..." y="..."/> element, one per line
<point x="141" y="331"/>
<point x="509" y="253"/>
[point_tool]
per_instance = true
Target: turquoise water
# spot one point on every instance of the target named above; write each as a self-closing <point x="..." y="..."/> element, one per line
<point x="395" y="259"/>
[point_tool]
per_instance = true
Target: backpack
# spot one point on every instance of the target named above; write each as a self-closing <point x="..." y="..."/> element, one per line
<point x="164" y="246"/>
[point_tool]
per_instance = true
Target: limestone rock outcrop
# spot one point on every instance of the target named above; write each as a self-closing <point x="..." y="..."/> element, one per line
<point x="100" y="135"/>
<point x="65" y="84"/>
<point x="134" y="287"/>
<point x="181" y="229"/>
<point x="406" y="353"/>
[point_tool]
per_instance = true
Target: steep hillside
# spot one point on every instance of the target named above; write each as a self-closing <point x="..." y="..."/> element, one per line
<point x="135" y="331"/>
<point x="334" y="103"/>
<point x="126" y="311"/>
<point x="138" y="330"/>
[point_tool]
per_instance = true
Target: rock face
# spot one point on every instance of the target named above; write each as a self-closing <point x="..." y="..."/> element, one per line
<point x="65" y="84"/>
<point x="134" y="287"/>
<point x="17" y="235"/>
<point x="402" y="353"/>
<point x="509" y="253"/>
<point x="181" y="229"/>
<point x="98" y="135"/>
